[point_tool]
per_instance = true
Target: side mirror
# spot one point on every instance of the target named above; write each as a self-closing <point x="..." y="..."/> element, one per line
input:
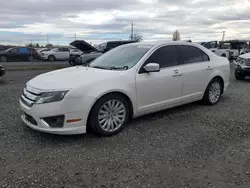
<point x="152" y="67"/>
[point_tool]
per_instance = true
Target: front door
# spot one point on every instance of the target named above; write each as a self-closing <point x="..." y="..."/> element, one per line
<point x="196" y="71"/>
<point x="163" y="89"/>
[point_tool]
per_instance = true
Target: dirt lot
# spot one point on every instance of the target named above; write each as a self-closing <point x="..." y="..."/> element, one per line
<point x="189" y="146"/>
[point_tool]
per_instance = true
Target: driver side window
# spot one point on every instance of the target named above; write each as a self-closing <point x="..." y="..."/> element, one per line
<point x="165" y="56"/>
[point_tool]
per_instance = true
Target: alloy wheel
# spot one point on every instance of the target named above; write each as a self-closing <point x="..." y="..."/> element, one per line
<point x="214" y="92"/>
<point x="112" y="115"/>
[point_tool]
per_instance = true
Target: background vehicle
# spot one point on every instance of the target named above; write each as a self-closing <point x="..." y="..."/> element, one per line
<point x="75" y="51"/>
<point x="242" y="66"/>
<point x="40" y="50"/>
<point x="56" y="54"/>
<point x="237" y="47"/>
<point x="19" y="54"/>
<point x="3" y="48"/>
<point x="216" y="48"/>
<point x="127" y="81"/>
<point x="90" y="53"/>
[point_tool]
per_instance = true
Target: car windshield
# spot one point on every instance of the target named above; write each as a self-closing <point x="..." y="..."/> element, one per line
<point x="122" y="57"/>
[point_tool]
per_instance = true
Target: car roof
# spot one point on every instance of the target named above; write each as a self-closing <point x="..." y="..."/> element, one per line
<point x="159" y="43"/>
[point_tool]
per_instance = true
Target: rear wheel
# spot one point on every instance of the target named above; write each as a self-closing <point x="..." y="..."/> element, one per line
<point x="31" y="58"/>
<point x="213" y="92"/>
<point x="51" y="58"/>
<point x="109" y="115"/>
<point x="238" y="76"/>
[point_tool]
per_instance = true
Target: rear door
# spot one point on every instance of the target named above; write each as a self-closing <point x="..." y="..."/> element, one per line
<point x="24" y="53"/>
<point x="63" y="53"/>
<point x="196" y="68"/>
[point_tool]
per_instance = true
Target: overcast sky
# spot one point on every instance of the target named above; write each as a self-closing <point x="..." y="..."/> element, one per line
<point x="98" y="20"/>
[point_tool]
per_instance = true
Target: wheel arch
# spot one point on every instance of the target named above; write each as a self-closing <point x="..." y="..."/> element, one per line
<point x="221" y="80"/>
<point x="110" y="93"/>
<point x="52" y="55"/>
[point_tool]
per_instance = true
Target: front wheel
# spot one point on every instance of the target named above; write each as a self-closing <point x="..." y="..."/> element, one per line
<point x="51" y="58"/>
<point x="109" y="115"/>
<point x="31" y="58"/>
<point x="238" y="76"/>
<point x="3" y="59"/>
<point x="213" y="92"/>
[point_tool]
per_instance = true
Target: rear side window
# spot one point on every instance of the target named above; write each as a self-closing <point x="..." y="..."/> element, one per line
<point x="24" y="51"/>
<point x="165" y="56"/>
<point x="191" y="54"/>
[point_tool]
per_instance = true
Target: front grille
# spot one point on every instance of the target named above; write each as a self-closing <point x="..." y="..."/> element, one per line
<point x="30" y="119"/>
<point x="30" y="97"/>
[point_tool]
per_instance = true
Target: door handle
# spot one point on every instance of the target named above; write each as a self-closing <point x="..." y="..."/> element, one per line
<point x="209" y="68"/>
<point x="176" y="73"/>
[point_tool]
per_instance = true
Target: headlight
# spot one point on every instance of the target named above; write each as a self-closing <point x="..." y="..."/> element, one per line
<point x="53" y="96"/>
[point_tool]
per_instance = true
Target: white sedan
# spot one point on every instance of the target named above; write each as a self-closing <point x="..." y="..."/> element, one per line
<point x="129" y="81"/>
<point x="55" y="54"/>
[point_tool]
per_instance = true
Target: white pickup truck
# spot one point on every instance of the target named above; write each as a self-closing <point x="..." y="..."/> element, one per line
<point x="215" y="47"/>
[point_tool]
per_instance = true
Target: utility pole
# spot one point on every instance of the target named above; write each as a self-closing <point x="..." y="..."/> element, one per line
<point x="75" y="36"/>
<point x="132" y="31"/>
<point x="223" y="35"/>
<point x="47" y="38"/>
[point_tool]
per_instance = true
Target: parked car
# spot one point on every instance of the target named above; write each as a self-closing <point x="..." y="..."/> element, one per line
<point x="3" y="48"/>
<point x="216" y="48"/>
<point x="238" y="47"/>
<point x="2" y="71"/>
<point x="19" y="54"/>
<point x="75" y="51"/>
<point x="128" y="81"/>
<point x="242" y="66"/>
<point x="90" y="53"/>
<point x="40" y="50"/>
<point x="56" y="54"/>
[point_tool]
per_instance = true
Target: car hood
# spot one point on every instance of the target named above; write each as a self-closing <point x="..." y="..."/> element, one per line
<point x="245" y="56"/>
<point x="83" y="46"/>
<point x="70" y="78"/>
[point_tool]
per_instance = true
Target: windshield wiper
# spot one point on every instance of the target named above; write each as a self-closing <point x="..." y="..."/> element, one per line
<point x="98" y="67"/>
<point x="116" y="68"/>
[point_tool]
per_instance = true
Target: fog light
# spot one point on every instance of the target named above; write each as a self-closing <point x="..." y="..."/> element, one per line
<point x="55" y="121"/>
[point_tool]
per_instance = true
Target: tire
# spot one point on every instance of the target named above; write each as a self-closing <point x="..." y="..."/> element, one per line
<point x="238" y="76"/>
<point x="3" y="59"/>
<point x="31" y="59"/>
<point x="215" y="85"/>
<point x="99" y="122"/>
<point x="51" y="58"/>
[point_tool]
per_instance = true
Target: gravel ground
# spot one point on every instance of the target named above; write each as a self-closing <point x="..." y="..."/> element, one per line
<point x="189" y="146"/>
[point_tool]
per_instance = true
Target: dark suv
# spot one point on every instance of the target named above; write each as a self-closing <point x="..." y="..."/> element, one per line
<point x="19" y="54"/>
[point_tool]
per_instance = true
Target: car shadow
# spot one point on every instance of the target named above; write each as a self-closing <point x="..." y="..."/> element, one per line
<point x="90" y="136"/>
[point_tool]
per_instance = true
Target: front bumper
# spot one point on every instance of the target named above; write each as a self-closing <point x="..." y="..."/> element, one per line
<point x="242" y="70"/>
<point x="71" y="109"/>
